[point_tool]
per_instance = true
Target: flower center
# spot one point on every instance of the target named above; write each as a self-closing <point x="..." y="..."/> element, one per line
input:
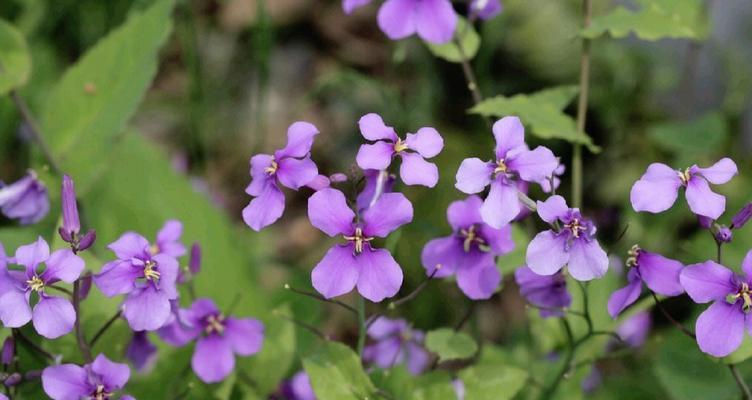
<point x="35" y="284"/>
<point x="632" y="256"/>
<point x="684" y="176"/>
<point x="101" y="393"/>
<point x="575" y="226"/>
<point x="501" y="167"/>
<point x="272" y="168"/>
<point x="745" y="294"/>
<point x="150" y="273"/>
<point x="471" y="236"/>
<point x="359" y="240"/>
<point x="400" y="146"/>
<point x="215" y="324"/>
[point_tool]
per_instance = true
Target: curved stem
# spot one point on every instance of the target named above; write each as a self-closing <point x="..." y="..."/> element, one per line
<point x="740" y="381"/>
<point x="104" y="328"/>
<point x="321" y="298"/>
<point x="20" y="337"/>
<point x="671" y="319"/>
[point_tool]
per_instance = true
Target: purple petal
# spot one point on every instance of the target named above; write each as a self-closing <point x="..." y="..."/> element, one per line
<point x="445" y="252"/>
<point x="720" y="329"/>
<point x="417" y="171"/>
<point x="212" y="359"/>
<point x="587" y="260"/>
<point x="704" y="201"/>
<point x="348" y="6"/>
<point x="546" y="253"/>
<point x="146" y="309"/>
<point x="168" y="269"/>
<point x="417" y="358"/>
<point x="741" y="217"/>
<point x="130" y="245"/>
<point x="624" y="297"/>
<point x="553" y="209"/>
<point x="168" y="239"/>
<point x="480" y="282"/>
<point x="396" y="18"/>
<point x="501" y="205"/>
<point x="660" y="274"/>
<point x="391" y="211"/>
<point x="299" y="140"/>
<point x="117" y="277"/>
<point x="141" y="352"/>
<point x="296" y="173"/>
<point x="64" y="266"/>
<point x="259" y="176"/>
<point x="435" y="20"/>
<point x="245" y="335"/>
<point x="300" y="386"/>
<point x="486" y="9"/>
<point x="747" y="264"/>
<point x="336" y="273"/>
<point x="373" y="128"/>
<point x="384" y="327"/>
<point x="53" y="316"/>
<point x="31" y="255"/>
<point x="534" y="165"/>
<point x="720" y="172"/>
<point x="385" y="353"/>
<point x="319" y="182"/>
<point x="427" y="142"/>
<point x="265" y="209"/>
<point x="177" y="333"/>
<point x="464" y="213"/>
<point x="14" y="309"/>
<point x="543" y="291"/>
<point x="380" y="276"/>
<point x="114" y="375"/>
<point x="509" y="134"/>
<point x="635" y="329"/>
<point x="328" y="211"/>
<point x="656" y="190"/>
<point x="707" y="281"/>
<point x="473" y="175"/>
<point x="66" y="382"/>
<point x="375" y="156"/>
<point x="71" y="222"/>
<point x="377" y="183"/>
<point x="499" y="240"/>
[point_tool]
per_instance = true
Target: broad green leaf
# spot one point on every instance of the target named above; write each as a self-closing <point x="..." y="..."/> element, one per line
<point x="468" y="40"/>
<point x="15" y="62"/>
<point x="397" y="381"/>
<point x="656" y="19"/>
<point x="691" y="140"/>
<point x="336" y="373"/>
<point x="450" y="345"/>
<point x="492" y="382"/>
<point x="541" y="111"/>
<point x="95" y="98"/>
<point x="435" y="385"/>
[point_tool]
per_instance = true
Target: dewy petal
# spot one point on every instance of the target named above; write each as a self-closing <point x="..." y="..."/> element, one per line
<point x="445" y="252"/>
<point x="296" y="173"/>
<point x="660" y="274"/>
<point x="534" y="165"/>
<point x="720" y="329"/>
<point x="373" y="128"/>
<point x="417" y="171"/>
<point x="656" y="190"/>
<point x="464" y="213"/>
<point x="702" y="200"/>
<point x="259" y="176"/>
<point x="509" y="134"/>
<point x="554" y="208"/>
<point x="479" y="282"/>
<point x="380" y="276"/>
<point x="348" y="6"/>
<point x="130" y="245"/>
<point x="587" y="260"/>
<point x="114" y="375"/>
<point x="14" y="309"/>
<point x="328" y="211"/>
<point x="212" y="359"/>
<point x="245" y="335"/>
<point x="720" y="172"/>
<point x="396" y="18"/>
<point x="146" y="309"/>
<point x="31" y="255"/>
<point x="427" y="142"/>
<point x="66" y="382"/>
<point x="391" y="211"/>
<point x="501" y="205"/>
<point x="473" y="175"/>
<point x="168" y="239"/>
<point x="707" y="281"/>
<point x="299" y="140"/>
<point x="546" y="253"/>
<point x="624" y="297"/>
<point x="53" y="317"/>
<point x="375" y="156"/>
<point x="265" y="209"/>
<point x="64" y="266"/>
<point x="336" y="273"/>
<point x="435" y="20"/>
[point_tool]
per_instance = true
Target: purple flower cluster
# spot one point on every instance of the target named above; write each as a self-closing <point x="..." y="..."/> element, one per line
<point x="395" y="343"/>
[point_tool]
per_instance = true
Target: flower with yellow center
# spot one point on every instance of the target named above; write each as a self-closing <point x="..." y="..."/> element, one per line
<point x="149" y="272"/>
<point x="215" y="324"/>
<point x="359" y="240"/>
<point x="35" y="284"/>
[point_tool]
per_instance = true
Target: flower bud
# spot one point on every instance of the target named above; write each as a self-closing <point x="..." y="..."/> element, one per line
<point x="13" y="379"/>
<point x="9" y="351"/>
<point x="71" y="222"/>
<point x="724" y="234"/>
<point x="194" y="264"/>
<point x="87" y="240"/>
<point x="742" y="217"/>
<point x="83" y="290"/>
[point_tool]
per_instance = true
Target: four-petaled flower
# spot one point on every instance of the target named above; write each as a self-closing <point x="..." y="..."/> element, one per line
<point x="396" y="343"/>
<point x="52" y="316"/>
<point x="415" y="170"/>
<point x="291" y="167"/>
<point x="657" y="189"/>
<point x="99" y="380"/>
<point x="356" y="262"/>
<point x="25" y="200"/>
<point x="571" y="242"/>
<point x="548" y="292"/>
<point x="470" y="251"/>
<point x="433" y="20"/>
<point x="514" y="162"/>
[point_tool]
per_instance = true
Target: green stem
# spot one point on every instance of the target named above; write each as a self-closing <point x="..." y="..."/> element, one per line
<point x="361" y="325"/>
<point x="740" y="381"/>
<point x="582" y="105"/>
<point x="82" y="345"/>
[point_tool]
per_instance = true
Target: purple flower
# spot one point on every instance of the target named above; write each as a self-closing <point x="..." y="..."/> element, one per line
<point x="351" y="5"/>
<point x="52" y="316"/>
<point x="396" y="343"/>
<point x="571" y="242"/>
<point x="549" y="292"/>
<point x="415" y="170"/>
<point x="545" y="184"/>
<point x="141" y="352"/>
<point x="470" y="251"/>
<point x="459" y="389"/>
<point x="720" y="328"/>
<point x="291" y="167"/>
<point x="355" y="262"/>
<point x="376" y="184"/>
<point x="168" y="240"/>
<point x="433" y="20"/>
<point x="513" y="162"/>
<point x="99" y="380"/>
<point x="485" y="9"/>
<point x="635" y="329"/>
<point x="660" y="274"/>
<point x="658" y="188"/>
<point x="25" y="200"/>
<point x="592" y="381"/>
<point x="148" y="280"/>
<point x="299" y="388"/>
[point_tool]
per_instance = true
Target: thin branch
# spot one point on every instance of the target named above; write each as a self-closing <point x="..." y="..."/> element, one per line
<point x="20" y="337"/>
<point x="671" y="319"/>
<point x="321" y="298"/>
<point x="34" y="130"/>
<point x="303" y="325"/>
<point x="104" y="328"/>
<point x="582" y="105"/>
<point x="82" y="345"/>
<point x="394" y="304"/>
<point x="740" y="381"/>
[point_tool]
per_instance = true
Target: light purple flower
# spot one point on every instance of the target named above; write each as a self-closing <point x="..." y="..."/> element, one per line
<point x="52" y="316"/>
<point x="376" y="184"/>
<point x="513" y="162"/>
<point x="433" y="20"/>
<point x="546" y="184"/>
<point x="147" y="279"/>
<point x="168" y="240"/>
<point x="459" y="389"/>
<point x="25" y="200"/>
<point x="660" y="274"/>
<point x="720" y="328"/>
<point x="657" y="189"/>
<point x="571" y="241"/>
<point x="291" y="167"/>
<point x="635" y="329"/>
<point x="141" y="352"/>
<point x="99" y="380"/>
<point x="470" y="251"/>
<point x="485" y="9"/>
<point x="374" y="271"/>
<point x="549" y="292"/>
<point x="351" y="5"/>
<point x="299" y="388"/>
<point x="415" y="170"/>
<point x="592" y="381"/>
<point x="395" y="343"/>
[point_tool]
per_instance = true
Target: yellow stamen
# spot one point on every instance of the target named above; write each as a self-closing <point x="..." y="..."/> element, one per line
<point x="359" y="240"/>
<point x="272" y="168"/>
<point x="501" y="167"/>
<point x="745" y="294"/>
<point x="575" y="227"/>
<point x="215" y="323"/>
<point x="101" y="393"/>
<point x="684" y="176"/>
<point x="632" y="256"/>
<point x="149" y="272"/>
<point x="471" y="236"/>
<point x="36" y="284"/>
<point x="154" y="249"/>
<point x="400" y="146"/>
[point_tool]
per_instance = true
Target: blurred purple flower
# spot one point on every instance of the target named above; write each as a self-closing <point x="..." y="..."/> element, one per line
<point x="741" y="217"/>
<point x="470" y="251"/>
<point x="635" y="329"/>
<point x="545" y="184"/>
<point x="459" y="389"/>
<point x="415" y="170"/>
<point x="485" y="9"/>
<point x="513" y="162"/>
<point x="298" y="388"/>
<point x="291" y="167"/>
<point x="433" y="20"/>
<point x="99" y="380"/>
<point x="395" y="342"/>
<point x="351" y="5"/>
<point x="660" y="274"/>
<point x="9" y="351"/>
<point x="52" y="316"/>
<point x="657" y="189"/>
<point x="141" y="352"/>
<point x="549" y="292"/>
<point x="374" y="271"/>
<point x="376" y="184"/>
<point x="571" y="242"/>
<point x="25" y="200"/>
<point x="592" y="381"/>
<point x="194" y="265"/>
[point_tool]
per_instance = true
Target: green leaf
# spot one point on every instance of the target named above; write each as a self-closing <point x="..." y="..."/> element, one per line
<point x="95" y="98"/>
<point x="337" y="374"/>
<point x="436" y="385"/>
<point x="690" y="140"/>
<point x="541" y="111"/>
<point x="450" y="345"/>
<point x="15" y="62"/>
<point x="271" y="365"/>
<point x="492" y="382"/>
<point x="469" y="43"/>
<point x="656" y="19"/>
